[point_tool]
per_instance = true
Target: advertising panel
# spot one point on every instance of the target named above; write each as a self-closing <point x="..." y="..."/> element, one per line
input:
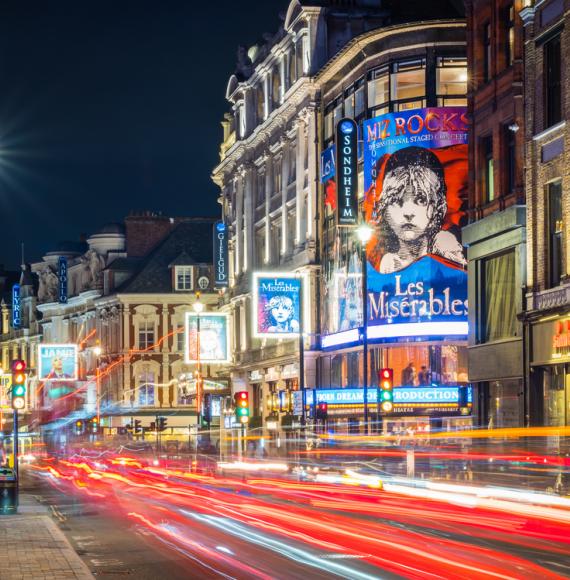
<point x="221" y="277"/>
<point x="62" y="274"/>
<point x="347" y="168"/>
<point x="57" y="362"/>
<point x="210" y="331"/>
<point x="415" y="179"/>
<point x="277" y="304"/>
<point x="16" y="307"/>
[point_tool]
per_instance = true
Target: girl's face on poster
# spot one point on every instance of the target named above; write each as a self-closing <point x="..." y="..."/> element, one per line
<point x="282" y="311"/>
<point x="409" y="213"/>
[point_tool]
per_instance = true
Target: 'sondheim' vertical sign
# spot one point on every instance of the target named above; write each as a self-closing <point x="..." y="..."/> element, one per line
<point x="347" y="172"/>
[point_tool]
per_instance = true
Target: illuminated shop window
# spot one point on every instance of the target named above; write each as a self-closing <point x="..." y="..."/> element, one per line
<point x="408" y="84"/>
<point x="451" y="81"/>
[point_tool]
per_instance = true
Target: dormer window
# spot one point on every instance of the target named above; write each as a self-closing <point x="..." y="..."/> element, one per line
<point x="184" y="278"/>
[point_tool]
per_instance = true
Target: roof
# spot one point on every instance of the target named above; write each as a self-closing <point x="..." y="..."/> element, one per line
<point x="183" y="259"/>
<point x="191" y="240"/>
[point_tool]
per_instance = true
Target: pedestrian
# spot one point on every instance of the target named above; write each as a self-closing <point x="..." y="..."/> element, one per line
<point x="424" y="376"/>
<point x="409" y="375"/>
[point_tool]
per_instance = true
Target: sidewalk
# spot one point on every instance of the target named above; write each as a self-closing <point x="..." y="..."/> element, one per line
<point x="34" y="548"/>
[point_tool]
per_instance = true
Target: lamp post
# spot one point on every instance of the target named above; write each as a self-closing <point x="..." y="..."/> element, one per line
<point x="364" y="233"/>
<point x="198" y="308"/>
<point x="98" y="350"/>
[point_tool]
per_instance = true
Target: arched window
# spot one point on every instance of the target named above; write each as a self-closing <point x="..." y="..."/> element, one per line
<point x="275" y="87"/>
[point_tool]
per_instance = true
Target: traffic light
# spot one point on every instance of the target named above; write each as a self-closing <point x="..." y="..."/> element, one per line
<point x="161" y="424"/>
<point x="322" y="411"/>
<point x="138" y="426"/>
<point x="241" y="400"/>
<point x="386" y="389"/>
<point x="18" y="385"/>
<point x="79" y="427"/>
<point x="94" y="425"/>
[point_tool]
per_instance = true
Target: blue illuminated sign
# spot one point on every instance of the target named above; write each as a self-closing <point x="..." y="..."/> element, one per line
<point x="409" y="396"/>
<point x="221" y="277"/>
<point x="16" y="307"/>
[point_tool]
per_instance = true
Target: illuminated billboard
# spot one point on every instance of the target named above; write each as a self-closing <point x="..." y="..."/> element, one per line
<point x="57" y="362"/>
<point x="277" y="304"/>
<point x="210" y="331"/>
<point x="415" y="179"/>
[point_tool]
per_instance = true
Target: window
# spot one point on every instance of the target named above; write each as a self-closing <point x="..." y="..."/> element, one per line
<point x="146" y="388"/>
<point x="359" y="101"/>
<point x="259" y="102"/>
<point x="337" y="113"/>
<point x="498" y="293"/>
<point x="260" y="189"/>
<point x="379" y="90"/>
<point x="180" y="339"/>
<point x="277" y="176"/>
<point x="183" y="276"/>
<point x="451" y="81"/>
<point x="292" y="68"/>
<point x="552" y="82"/>
<point x="510" y="35"/>
<point x="259" y="248"/>
<point x="276" y="88"/>
<point x="487" y="52"/>
<point x="146" y="334"/>
<point x="510" y="158"/>
<point x="349" y="103"/>
<point x="555" y="229"/>
<point x="329" y="129"/>
<point x="292" y="159"/>
<point x="488" y="169"/>
<point x="299" y="58"/>
<point x="408" y="84"/>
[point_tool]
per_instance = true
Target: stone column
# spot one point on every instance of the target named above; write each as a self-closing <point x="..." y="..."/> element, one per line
<point x="312" y="193"/>
<point x="239" y="227"/>
<point x="300" y="197"/>
<point x="285" y="152"/>
<point x="249" y="239"/>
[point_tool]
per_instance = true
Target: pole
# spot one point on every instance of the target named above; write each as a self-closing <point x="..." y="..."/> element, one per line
<point x="98" y="393"/>
<point x="365" y="334"/>
<point x="199" y="377"/>
<point x="302" y="355"/>
<point x="15" y="445"/>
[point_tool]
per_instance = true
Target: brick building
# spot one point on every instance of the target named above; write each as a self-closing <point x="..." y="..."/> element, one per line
<point x="495" y="235"/>
<point x="547" y="181"/>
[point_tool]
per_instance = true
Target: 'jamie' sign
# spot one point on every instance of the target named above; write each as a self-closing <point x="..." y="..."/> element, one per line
<point x="220" y="254"/>
<point x="347" y="172"/>
<point x="16" y="307"/>
<point x="62" y="274"/>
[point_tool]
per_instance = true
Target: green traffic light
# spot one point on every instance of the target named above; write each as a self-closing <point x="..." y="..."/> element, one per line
<point x="386" y="395"/>
<point x="18" y="390"/>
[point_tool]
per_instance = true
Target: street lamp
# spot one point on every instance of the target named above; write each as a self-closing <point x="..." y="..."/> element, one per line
<point x="198" y="308"/>
<point x="364" y="233"/>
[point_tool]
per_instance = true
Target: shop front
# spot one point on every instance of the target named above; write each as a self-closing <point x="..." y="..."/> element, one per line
<point x="550" y="371"/>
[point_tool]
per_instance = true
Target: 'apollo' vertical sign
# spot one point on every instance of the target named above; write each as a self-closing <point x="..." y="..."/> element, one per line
<point x="347" y="172"/>
<point x="16" y="307"/>
<point x="62" y="272"/>
<point x="220" y="254"/>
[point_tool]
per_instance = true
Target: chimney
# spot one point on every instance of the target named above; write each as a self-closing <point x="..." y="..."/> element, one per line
<point x="144" y="230"/>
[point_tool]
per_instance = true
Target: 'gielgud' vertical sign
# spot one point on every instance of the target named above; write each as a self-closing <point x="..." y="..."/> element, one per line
<point x="347" y="172"/>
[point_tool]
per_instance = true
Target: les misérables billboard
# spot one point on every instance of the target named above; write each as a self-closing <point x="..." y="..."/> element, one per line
<point x="415" y="183"/>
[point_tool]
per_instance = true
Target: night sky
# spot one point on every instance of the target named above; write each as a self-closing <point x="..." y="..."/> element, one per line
<point x="108" y="106"/>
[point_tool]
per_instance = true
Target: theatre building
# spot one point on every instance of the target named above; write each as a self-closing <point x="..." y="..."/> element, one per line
<point x="405" y="85"/>
<point x="547" y="162"/>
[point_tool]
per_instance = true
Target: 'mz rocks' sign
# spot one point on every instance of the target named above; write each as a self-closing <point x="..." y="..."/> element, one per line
<point x="415" y="183"/>
<point x="347" y="172"/>
<point x="220" y="254"/>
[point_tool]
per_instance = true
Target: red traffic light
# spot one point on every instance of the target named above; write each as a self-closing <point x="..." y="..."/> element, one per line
<point x="18" y="366"/>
